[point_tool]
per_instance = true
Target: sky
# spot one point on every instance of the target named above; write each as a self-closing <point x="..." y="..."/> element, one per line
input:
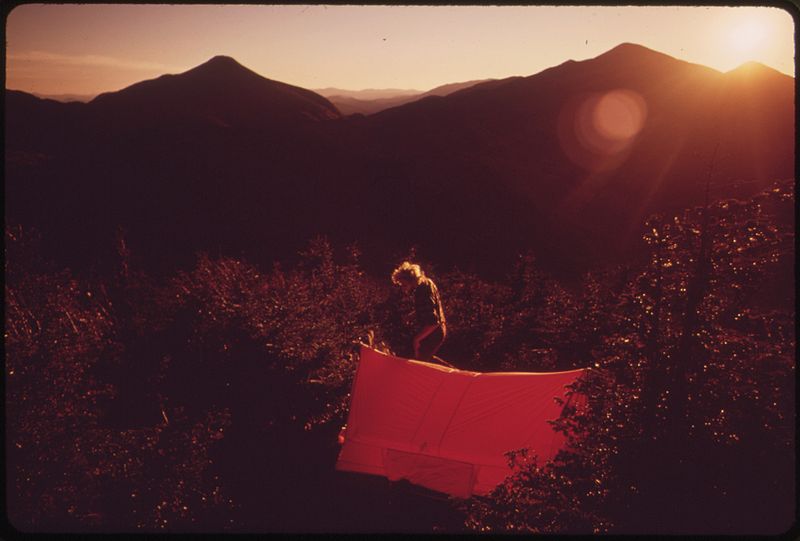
<point x="87" y="49"/>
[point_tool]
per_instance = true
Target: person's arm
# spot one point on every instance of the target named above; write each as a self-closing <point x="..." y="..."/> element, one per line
<point x="421" y="335"/>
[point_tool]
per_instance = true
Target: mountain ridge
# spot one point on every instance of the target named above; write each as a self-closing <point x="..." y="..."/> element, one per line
<point x="625" y="49"/>
<point x="219" y="89"/>
<point x="479" y="175"/>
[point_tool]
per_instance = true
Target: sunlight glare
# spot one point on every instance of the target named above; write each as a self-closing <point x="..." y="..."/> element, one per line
<point x="751" y="35"/>
<point x="596" y="130"/>
<point x="748" y="36"/>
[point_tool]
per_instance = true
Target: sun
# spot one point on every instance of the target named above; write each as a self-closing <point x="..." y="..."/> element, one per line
<point x="749" y="37"/>
<point x="751" y="34"/>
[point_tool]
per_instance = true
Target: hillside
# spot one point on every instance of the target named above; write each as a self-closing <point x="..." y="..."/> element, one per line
<point x="220" y="388"/>
<point x="513" y="161"/>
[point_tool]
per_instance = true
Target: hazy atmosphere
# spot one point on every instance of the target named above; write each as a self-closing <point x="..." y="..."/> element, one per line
<point x="88" y="49"/>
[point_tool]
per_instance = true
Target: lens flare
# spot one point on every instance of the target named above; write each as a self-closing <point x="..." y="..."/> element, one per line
<point x="619" y="115"/>
<point x="596" y="130"/>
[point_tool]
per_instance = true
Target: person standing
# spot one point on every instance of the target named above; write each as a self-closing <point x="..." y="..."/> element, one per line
<point x="431" y="328"/>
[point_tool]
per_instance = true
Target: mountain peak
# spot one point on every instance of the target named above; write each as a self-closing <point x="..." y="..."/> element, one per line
<point x="631" y="51"/>
<point x="634" y="57"/>
<point x="222" y="60"/>
<point x="755" y="73"/>
<point x="220" y="64"/>
<point x="750" y="68"/>
<point x="629" y="47"/>
<point x="223" y="90"/>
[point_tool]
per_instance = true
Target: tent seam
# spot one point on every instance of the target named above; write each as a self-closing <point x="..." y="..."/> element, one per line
<point x="427" y="409"/>
<point x="455" y="410"/>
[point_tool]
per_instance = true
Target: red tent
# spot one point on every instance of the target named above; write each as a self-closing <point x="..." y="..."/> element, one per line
<point x="447" y="429"/>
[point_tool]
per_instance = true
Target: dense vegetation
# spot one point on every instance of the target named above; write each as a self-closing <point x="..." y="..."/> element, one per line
<point x="137" y="402"/>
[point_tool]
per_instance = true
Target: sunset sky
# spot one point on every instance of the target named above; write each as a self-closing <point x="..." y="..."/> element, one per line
<point x="88" y="49"/>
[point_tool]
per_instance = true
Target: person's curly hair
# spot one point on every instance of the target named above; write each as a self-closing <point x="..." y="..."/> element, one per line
<point x="407" y="272"/>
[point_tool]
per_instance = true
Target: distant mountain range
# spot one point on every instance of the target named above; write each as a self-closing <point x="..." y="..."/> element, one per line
<point x="65" y="97"/>
<point x="565" y="163"/>
<point x="367" y="94"/>
<point x="368" y="102"/>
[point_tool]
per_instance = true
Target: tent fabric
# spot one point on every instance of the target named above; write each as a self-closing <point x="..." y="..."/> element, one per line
<point x="447" y="429"/>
